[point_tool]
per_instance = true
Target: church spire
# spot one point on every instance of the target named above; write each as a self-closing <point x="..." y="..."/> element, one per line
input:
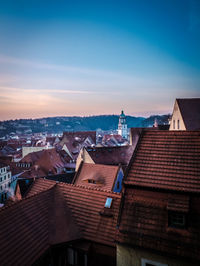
<point x="122" y="126"/>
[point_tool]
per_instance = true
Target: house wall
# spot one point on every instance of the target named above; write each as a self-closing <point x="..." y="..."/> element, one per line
<point x="83" y="156"/>
<point x="128" y="256"/>
<point x="5" y="182"/>
<point x="175" y="117"/>
<point x="27" y="150"/>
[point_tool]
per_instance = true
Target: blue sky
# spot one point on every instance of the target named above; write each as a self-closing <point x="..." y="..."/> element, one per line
<point x="97" y="57"/>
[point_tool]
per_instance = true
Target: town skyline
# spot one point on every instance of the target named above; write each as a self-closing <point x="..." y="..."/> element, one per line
<point x="91" y="58"/>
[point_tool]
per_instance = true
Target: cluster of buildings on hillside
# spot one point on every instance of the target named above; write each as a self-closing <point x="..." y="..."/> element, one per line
<point x="53" y="157"/>
<point x="82" y="202"/>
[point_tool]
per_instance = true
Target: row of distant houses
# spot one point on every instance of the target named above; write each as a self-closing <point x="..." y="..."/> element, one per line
<point x="128" y="205"/>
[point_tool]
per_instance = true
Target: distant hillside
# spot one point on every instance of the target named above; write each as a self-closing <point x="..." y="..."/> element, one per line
<point x="75" y="123"/>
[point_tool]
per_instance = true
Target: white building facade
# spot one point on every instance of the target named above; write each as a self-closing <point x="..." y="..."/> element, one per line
<point x="5" y="182"/>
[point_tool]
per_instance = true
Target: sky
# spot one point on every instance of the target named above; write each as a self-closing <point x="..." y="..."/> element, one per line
<point x="65" y="58"/>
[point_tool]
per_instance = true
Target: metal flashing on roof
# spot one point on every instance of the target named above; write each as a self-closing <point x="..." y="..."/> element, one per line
<point x="108" y="203"/>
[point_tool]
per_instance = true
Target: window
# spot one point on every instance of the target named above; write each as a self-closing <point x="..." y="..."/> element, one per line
<point x="174" y="124"/>
<point x="70" y="256"/>
<point x="178" y="124"/>
<point x="177" y="219"/>
<point x="91" y="181"/>
<point x="108" y="203"/>
<point x="145" y="262"/>
<point x="76" y="258"/>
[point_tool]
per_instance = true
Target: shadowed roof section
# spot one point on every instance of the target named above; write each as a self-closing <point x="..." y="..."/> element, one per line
<point x="111" y="155"/>
<point x="190" y="111"/>
<point x="93" y="175"/>
<point x="168" y="160"/>
<point x="59" y="214"/>
<point x="97" y="223"/>
<point x="24" y="233"/>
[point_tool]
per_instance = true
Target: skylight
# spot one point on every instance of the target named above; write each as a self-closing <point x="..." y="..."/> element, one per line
<point x="108" y="203"/>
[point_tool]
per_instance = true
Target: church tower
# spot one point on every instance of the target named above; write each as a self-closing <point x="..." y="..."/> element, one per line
<point x="122" y="126"/>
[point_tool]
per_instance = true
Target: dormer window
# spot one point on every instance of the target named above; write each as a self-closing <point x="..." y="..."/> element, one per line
<point x="91" y="181"/>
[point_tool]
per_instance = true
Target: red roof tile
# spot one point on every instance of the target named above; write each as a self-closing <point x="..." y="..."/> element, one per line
<point x="59" y="214"/>
<point x="96" y="175"/>
<point x="111" y="155"/>
<point x="75" y="141"/>
<point x="24" y="230"/>
<point x="168" y="160"/>
<point x="43" y="162"/>
<point x="39" y="185"/>
<point x="87" y="205"/>
<point x="144" y="222"/>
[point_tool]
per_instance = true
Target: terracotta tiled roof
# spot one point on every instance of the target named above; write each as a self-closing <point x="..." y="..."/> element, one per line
<point x="190" y="111"/>
<point x="111" y="155"/>
<point x="96" y="175"/>
<point x="59" y="214"/>
<point x="144" y="222"/>
<point x="39" y="185"/>
<point x="168" y="160"/>
<point x="79" y="137"/>
<point x="43" y="162"/>
<point x="97" y="223"/>
<point x="32" y="157"/>
<point x="74" y="141"/>
<point x="24" y="234"/>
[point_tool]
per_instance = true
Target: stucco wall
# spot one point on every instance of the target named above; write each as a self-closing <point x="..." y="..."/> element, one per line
<point x="27" y="150"/>
<point x="83" y="156"/>
<point x="127" y="256"/>
<point x="175" y="117"/>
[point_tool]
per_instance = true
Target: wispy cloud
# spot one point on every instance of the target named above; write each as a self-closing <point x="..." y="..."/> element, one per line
<point x="56" y="67"/>
<point x="22" y="90"/>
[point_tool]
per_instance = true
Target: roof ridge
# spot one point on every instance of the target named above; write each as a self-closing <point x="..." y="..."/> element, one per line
<point x="89" y="188"/>
<point x="99" y="164"/>
<point x="24" y="199"/>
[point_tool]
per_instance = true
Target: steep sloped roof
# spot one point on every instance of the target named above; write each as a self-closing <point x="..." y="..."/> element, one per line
<point x="144" y="222"/>
<point x="24" y="230"/>
<point x="190" y="111"/>
<point x="40" y="185"/>
<point x="96" y="175"/>
<point x="97" y="223"/>
<point x="78" y="137"/>
<point x="168" y="160"/>
<point x="74" y="141"/>
<point x="111" y="155"/>
<point x="60" y="213"/>
<point x="45" y="160"/>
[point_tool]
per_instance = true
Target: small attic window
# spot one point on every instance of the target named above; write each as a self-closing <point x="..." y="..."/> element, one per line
<point x="108" y="203"/>
<point x="91" y="181"/>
